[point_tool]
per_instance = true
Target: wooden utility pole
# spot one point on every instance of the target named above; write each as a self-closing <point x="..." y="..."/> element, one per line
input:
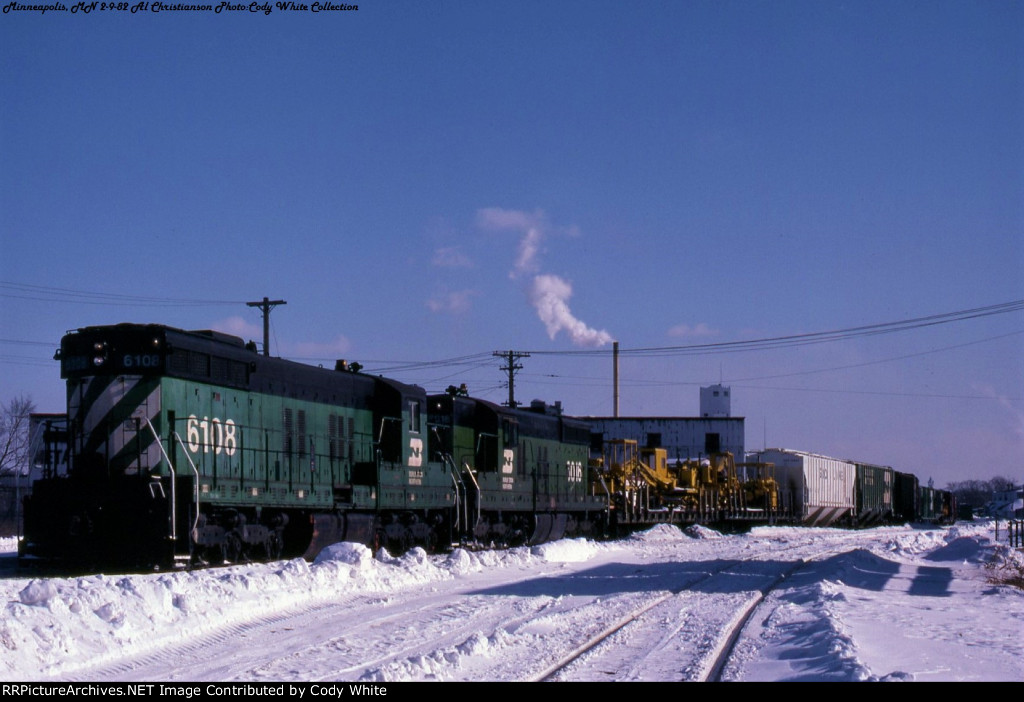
<point x="265" y="306"/>
<point x="512" y="367"/>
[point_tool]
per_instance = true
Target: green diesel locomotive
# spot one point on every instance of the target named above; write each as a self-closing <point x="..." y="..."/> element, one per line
<point x="190" y="447"/>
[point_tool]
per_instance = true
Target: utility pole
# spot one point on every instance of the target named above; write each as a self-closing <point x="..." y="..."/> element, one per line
<point x="512" y="367"/>
<point x="615" y="379"/>
<point x="265" y="307"/>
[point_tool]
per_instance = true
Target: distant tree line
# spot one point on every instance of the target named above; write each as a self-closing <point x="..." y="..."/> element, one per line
<point x="976" y="493"/>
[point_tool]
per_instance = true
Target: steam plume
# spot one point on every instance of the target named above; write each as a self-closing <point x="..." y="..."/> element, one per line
<point x="548" y="294"/>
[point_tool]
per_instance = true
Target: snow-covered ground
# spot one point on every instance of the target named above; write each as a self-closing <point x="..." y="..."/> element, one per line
<point x="900" y="603"/>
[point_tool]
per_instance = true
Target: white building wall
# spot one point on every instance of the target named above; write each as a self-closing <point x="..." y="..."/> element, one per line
<point x="682" y="437"/>
<point x="715" y="401"/>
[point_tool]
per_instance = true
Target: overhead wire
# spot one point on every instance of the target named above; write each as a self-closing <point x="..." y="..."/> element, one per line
<point x="42" y="293"/>
<point x="802" y="339"/>
<point x="481" y="359"/>
<point x="655" y="382"/>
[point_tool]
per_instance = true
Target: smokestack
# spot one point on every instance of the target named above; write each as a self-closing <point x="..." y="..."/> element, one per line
<point x="615" y="376"/>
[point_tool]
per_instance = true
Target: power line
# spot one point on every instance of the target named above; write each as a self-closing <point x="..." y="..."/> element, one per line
<point x="26" y="361"/>
<point x="49" y="344"/>
<point x="884" y="360"/>
<point x="653" y="382"/>
<point x="41" y="293"/>
<point x="400" y="366"/>
<point x="600" y="382"/>
<point x="474" y="360"/>
<point x="806" y="339"/>
<point x="881" y="392"/>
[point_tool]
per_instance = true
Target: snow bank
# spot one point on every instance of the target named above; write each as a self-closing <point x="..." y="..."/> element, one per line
<point x="566" y="551"/>
<point x="48" y="624"/>
<point x="837" y="616"/>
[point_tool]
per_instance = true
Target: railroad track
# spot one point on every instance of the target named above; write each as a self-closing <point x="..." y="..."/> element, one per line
<point x="617" y="619"/>
<point x="665" y="640"/>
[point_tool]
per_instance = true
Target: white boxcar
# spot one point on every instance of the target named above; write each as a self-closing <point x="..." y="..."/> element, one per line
<point x="823" y="489"/>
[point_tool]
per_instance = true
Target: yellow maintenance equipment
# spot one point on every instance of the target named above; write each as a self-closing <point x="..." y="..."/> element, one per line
<point x="625" y="469"/>
<point x="644" y="484"/>
<point x="759" y="485"/>
<point x="712" y="478"/>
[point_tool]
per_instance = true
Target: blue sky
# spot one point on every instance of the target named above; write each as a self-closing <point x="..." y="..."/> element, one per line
<point x="431" y="180"/>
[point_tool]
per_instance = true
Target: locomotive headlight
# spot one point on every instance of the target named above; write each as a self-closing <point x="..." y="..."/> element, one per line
<point x="100" y="349"/>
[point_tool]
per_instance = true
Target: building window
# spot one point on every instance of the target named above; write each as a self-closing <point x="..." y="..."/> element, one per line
<point x="712" y="443"/>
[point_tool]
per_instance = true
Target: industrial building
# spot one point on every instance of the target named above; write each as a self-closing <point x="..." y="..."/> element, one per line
<point x="683" y="438"/>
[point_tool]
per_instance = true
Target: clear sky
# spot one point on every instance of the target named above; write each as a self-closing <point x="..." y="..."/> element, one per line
<point x="431" y="180"/>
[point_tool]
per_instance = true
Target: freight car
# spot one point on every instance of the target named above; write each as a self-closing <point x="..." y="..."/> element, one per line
<point x="886" y="496"/>
<point x="822" y="488"/>
<point x="191" y="447"/>
<point x="905" y="497"/>
<point x="934" y="505"/>
<point x="926" y="500"/>
<point x="874" y="495"/>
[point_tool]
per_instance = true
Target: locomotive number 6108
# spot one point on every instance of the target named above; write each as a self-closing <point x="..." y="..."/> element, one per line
<point x="214" y="435"/>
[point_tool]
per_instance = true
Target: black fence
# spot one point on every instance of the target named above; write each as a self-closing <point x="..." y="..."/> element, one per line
<point x="1015" y="527"/>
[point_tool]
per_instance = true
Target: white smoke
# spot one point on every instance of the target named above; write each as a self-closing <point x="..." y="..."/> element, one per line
<point x="500" y="218"/>
<point x="549" y="294"/>
<point x="532" y="226"/>
<point x="526" y="261"/>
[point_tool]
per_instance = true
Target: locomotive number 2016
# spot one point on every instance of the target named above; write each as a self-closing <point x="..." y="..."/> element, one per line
<point x="575" y="471"/>
<point x="211" y="435"/>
